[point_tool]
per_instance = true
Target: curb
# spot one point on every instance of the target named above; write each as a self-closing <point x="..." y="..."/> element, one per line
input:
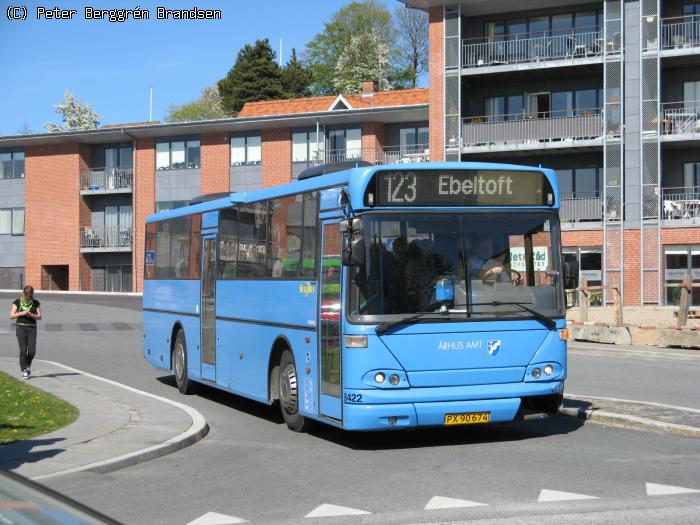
<point x="626" y="421"/>
<point x="195" y="433"/>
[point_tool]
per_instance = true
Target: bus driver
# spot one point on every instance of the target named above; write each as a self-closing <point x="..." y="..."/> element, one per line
<point x="484" y="266"/>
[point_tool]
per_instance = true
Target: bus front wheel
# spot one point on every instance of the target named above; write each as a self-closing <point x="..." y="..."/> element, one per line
<point x="289" y="394"/>
<point x="184" y="384"/>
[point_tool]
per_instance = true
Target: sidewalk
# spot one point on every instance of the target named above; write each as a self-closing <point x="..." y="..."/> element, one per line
<point x="657" y="417"/>
<point x="118" y="425"/>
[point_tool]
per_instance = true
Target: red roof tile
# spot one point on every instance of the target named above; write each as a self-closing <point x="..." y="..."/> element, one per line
<point x="403" y="97"/>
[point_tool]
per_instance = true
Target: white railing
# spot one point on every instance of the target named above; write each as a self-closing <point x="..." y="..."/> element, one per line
<point x="537" y="47"/>
<point x="680" y="203"/>
<point x="526" y="128"/>
<point x="106" y="179"/>
<point x="112" y="237"/>
<point x="400" y="154"/>
<point x="681" y="32"/>
<point x="680" y="118"/>
<point x="581" y="207"/>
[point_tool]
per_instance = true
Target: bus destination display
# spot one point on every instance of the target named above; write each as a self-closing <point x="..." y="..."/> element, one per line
<point x="462" y="188"/>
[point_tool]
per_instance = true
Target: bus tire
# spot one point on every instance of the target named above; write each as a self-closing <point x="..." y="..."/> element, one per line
<point x="289" y="394"/>
<point x="184" y="384"/>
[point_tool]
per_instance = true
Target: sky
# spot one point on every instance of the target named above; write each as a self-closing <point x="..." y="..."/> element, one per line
<point x="112" y="66"/>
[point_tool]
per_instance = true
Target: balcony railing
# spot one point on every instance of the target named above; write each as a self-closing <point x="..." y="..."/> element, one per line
<point x="680" y="203"/>
<point x="542" y="46"/>
<point x="386" y="155"/>
<point x="106" y="179"/>
<point x="680" y="32"/>
<point x="116" y="237"/>
<point x="581" y="207"/>
<point x="680" y="118"/>
<point x="563" y="127"/>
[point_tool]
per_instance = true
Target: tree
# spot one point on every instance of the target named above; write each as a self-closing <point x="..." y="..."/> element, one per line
<point x="412" y="28"/>
<point x="75" y="114"/>
<point x="296" y="78"/>
<point x="365" y="58"/>
<point x="254" y="76"/>
<point x="207" y="106"/>
<point x="25" y="129"/>
<point x="323" y="52"/>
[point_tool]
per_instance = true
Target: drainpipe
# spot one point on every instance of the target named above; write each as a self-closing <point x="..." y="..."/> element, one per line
<point x="133" y="209"/>
<point x="317" y="127"/>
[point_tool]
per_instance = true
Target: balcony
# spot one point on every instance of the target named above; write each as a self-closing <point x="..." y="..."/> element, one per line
<point x="386" y="155"/>
<point x="111" y="239"/>
<point x="106" y="180"/>
<point x="562" y="129"/>
<point x="680" y="120"/>
<point x="679" y="36"/>
<point x="581" y="208"/>
<point x="681" y="205"/>
<point x="536" y="50"/>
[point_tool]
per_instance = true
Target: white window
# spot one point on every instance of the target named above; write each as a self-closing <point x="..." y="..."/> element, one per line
<point x="254" y="150"/>
<point x="691" y="95"/>
<point x="299" y="147"/>
<point x="18" y="221"/>
<point x="177" y="155"/>
<point x="237" y="151"/>
<point x="5" y="222"/>
<point x="353" y="141"/>
<point x="163" y="156"/>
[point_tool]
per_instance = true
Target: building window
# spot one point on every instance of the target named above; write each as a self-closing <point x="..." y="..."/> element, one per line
<point x="169" y="205"/>
<point x="12" y="165"/>
<point x="177" y="155"/>
<point x="590" y="264"/>
<point x="307" y="146"/>
<point x="12" y="221"/>
<point x="413" y="140"/>
<point x="681" y="262"/>
<point x="580" y="182"/>
<point x="344" y="144"/>
<point x="562" y="24"/>
<point x="246" y="151"/>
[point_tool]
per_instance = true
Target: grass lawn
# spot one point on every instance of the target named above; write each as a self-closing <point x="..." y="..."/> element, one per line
<point x="26" y="411"/>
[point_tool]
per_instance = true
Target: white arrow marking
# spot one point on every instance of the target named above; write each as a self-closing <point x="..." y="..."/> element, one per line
<point x="214" y="518"/>
<point x="558" y="495"/>
<point x="327" y="509"/>
<point x="656" y="489"/>
<point x="441" y="502"/>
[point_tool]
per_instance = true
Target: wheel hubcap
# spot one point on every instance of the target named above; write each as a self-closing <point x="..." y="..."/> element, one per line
<point x="288" y="388"/>
<point x="179" y="362"/>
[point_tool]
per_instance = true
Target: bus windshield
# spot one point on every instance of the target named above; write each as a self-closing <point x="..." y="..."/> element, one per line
<point x="494" y="264"/>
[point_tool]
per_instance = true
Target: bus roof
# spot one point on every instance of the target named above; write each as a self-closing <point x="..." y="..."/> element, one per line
<point x="356" y="178"/>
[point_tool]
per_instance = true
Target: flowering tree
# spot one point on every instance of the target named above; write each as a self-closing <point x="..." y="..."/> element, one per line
<point x="75" y="114"/>
<point x="366" y="57"/>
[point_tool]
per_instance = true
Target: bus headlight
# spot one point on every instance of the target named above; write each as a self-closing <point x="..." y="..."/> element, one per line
<point x="548" y="370"/>
<point x="394" y="379"/>
<point x="536" y="373"/>
<point x="379" y="377"/>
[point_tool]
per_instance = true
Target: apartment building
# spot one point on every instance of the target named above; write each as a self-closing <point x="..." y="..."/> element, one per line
<point x="607" y="94"/>
<point x="73" y="205"/>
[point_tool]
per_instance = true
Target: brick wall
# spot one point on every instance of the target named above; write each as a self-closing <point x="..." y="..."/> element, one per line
<point x="276" y="156"/>
<point x="581" y="238"/>
<point x="85" y="219"/>
<point x="373" y="140"/>
<point x="215" y="162"/>
<point x="632" y="263"/>
<point x="436" y="110"/>
<point x="144" y="202"/>
<point x="52" y="211"/>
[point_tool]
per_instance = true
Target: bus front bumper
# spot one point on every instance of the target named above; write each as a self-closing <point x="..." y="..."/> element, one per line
<point x="425" y="412"/>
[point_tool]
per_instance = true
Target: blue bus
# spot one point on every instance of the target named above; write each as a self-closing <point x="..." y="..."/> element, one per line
<point x="367" y="297"/>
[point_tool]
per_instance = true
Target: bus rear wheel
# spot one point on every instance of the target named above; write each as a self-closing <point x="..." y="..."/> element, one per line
<point x="289" y="394"/>
<point x="184" y="384"/>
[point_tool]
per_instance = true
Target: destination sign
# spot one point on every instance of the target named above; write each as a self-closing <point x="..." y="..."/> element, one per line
<point x="460" y="188"/>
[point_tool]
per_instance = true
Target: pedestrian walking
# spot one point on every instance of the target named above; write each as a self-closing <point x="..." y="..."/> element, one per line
<point x="26" y="311"/>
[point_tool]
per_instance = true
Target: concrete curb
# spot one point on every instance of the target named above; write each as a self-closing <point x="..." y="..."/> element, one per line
<point x="625" y="420"/>
<point x="195" y="433"/>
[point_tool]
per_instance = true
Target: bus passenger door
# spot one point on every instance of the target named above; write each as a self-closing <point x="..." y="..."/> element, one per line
<point x="207" y="308"/>
<point x="330" y="323"/>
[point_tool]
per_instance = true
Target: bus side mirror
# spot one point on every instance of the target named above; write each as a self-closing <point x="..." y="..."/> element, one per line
<point x="570" y="275"/>
<point x="353" y="252"/>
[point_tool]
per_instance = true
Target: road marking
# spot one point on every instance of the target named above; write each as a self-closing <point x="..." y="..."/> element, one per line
<point x="598" y="351"/>
<point x="656" y="489"/>
<point x="637" y="402"/>
<point x="442" y="502"/>
<point x="327" y="510"/>
<point x="214" y="518"/>
<point x="558" y="495"/>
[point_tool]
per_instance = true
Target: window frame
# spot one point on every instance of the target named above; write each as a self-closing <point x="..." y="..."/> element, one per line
<point x="13" y="162"/>
<point x="186" y="152"/>
<point x="246" y="149"/>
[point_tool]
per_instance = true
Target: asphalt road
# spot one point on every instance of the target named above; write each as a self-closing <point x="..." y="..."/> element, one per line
<point x="250" y="466"/>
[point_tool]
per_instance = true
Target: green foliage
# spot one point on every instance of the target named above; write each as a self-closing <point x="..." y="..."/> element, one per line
<point x="206" y="107"/>
<point x="296" y="79"/>
<point x="26" y="411"/>
<point x="324" y="51"/>
<point x="75" y="114"/>
<point x="254" y="76"/>
<point x="366" y="57"/>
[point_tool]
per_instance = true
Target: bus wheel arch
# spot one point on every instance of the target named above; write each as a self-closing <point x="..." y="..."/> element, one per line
<point x="173" y="335"/>
<point x="273" y="385"/>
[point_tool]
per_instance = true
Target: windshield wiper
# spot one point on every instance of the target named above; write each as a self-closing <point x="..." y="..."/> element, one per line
<point x="385" y="327"/>
<point x="545" y="320"/>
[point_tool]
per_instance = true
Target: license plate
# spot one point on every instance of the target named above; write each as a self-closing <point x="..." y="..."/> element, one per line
<point x="469" y="418"/>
